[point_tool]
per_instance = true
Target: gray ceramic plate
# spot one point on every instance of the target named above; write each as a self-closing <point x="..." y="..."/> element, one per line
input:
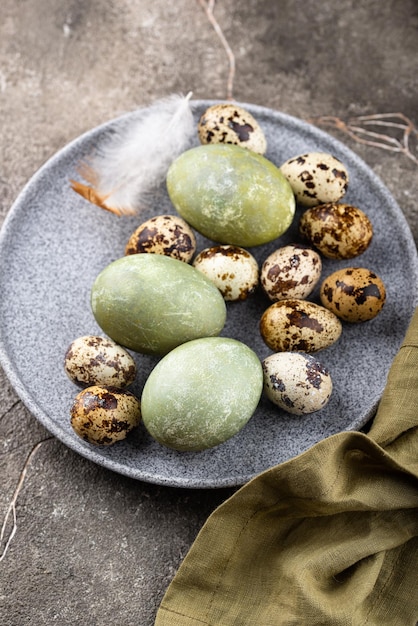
<point x="54" y="243"/>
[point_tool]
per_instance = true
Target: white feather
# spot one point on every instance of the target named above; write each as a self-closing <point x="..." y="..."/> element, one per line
<point x="136" y="157"/>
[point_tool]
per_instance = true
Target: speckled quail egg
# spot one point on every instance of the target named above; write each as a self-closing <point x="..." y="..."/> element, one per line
<point x="299" y="326"/>
<point x="231" y="268"/>
<point x="168" y="235"/>
<point x="93" y="360"/>
<point x="228" y="123"/>
<point x="297" y="383"/>
<point x="103" y="415"/>
<point x="338" y="231"/>
<point x="316" y="178"/>
<point x="354" y="294"/>
<point x="292" y="271"/>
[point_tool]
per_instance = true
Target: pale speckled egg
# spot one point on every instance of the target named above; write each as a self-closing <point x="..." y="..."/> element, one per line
<point x="338" y="231"/>
<point x="299" y="326"/>
<point x="292" y="271"/>
<point x="168" y="235"/>
<point x="297" y="383"/>
<point x="103" y="415"/>
<point x="93" y="360"/>
<point x="316" y="178"/>
<point x="228" y="123"/>
<point x="231" y="268"/>
<point x="354" y="294"/>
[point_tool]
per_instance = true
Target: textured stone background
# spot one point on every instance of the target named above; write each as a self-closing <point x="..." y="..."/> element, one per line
<point x="92" y="547"/>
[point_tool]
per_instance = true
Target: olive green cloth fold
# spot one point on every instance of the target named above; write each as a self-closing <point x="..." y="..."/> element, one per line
<point x="329" y="537"/>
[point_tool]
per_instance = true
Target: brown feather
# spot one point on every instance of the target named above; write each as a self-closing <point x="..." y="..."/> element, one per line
<point x="93" y="196"/>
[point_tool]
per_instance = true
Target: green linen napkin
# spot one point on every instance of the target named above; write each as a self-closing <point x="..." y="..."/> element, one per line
<point x="329" y="537"/>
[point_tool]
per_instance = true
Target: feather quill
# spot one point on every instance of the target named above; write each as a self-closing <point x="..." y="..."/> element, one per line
<point x="136" y="158"/>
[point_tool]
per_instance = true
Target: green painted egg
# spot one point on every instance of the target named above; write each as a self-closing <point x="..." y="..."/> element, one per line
<point x="231" y="195"/>
<point x="152" y="303"/>
<point x="202" y="393"/>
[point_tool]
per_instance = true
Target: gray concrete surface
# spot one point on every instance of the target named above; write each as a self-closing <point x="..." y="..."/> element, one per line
<point x="92" y="547"/>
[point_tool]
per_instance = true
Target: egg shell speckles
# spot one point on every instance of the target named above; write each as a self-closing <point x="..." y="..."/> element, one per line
<point x="338" y="231"/>
<point x="316" y="178"/>
<point x="292" y="271"/>
<point x="297" y="383"/>
<point x="233" y="270"/>
<point x="299" y="325"/>
<point x="228" y="123"/>
<point x="104" y="415"/>
<point x="354" y="294"/>
<point x="93" y="360"/>
<point x="169" y="235"/>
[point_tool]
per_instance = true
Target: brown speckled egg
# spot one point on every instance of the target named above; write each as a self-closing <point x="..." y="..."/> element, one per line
<point x="228" y="123"/>
<point x="233" y="270"/>
<point x="316" y="178"/>
<point x="104" y="415"/>
<point x="292" y="271"/>
<point x="168" y="235"/>
<point x="299" y="325"/>
<point x="338" y="231"/>
<point x="354" y="294"/>
<point x="92" y="360"/>
<point x="297" y="383"/>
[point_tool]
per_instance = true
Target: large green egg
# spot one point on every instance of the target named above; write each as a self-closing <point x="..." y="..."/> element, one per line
<point x="152" y="303"/>
<point x="231" y="195"/>
<point x="202" y="393"/>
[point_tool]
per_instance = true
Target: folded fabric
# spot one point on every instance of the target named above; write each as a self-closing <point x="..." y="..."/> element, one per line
<point x="329" y="537"/>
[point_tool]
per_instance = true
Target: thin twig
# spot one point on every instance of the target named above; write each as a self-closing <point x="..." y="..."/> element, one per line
<point x="385" y="138"/>
<point x="14" y="405"/>
<point x="208" y="7"/>
<point x="381" y="116"/>
<point x="359" y="129"/>
<point x="367" y="122"/>
<point x="11" y="510"/>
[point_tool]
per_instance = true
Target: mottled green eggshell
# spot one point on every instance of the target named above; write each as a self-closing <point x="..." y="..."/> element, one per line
<point x="202" y="393"/>
<point x="152" y="303"/>
<point x="231" y="195"/>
